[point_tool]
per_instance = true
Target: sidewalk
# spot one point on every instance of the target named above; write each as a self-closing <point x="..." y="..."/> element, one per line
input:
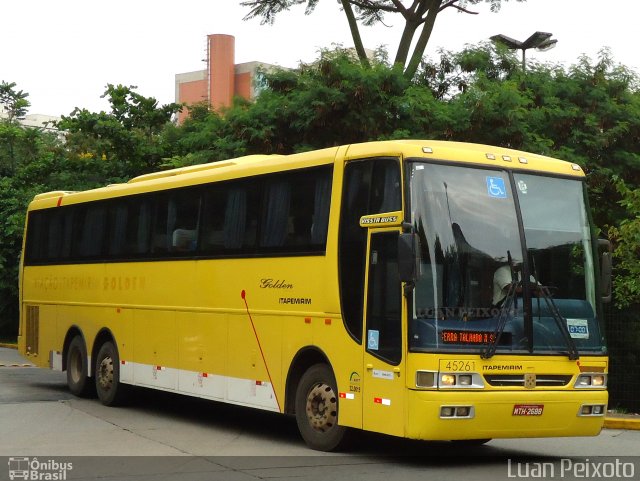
<point x="622" y="421"/>
<point x="9" y="357"/>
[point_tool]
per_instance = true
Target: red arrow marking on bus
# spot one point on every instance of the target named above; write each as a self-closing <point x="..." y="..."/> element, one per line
<point x="243" y="294"/>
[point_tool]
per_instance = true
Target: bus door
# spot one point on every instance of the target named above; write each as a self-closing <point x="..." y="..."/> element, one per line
<point x="383" y="381"/>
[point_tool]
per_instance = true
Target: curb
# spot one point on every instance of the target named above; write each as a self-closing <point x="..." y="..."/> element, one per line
<point x="622" y="423"/>
<point x="8" y="346"/>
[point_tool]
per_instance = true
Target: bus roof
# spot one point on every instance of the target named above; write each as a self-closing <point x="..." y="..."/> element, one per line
<point x="262" y="164"/>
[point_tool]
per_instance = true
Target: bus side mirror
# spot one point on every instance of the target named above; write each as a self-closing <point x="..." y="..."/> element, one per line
<point x="606" y="268"/>
<point x="408" y="257"/>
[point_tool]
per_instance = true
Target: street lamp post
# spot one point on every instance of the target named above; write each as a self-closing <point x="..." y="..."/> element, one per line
<point x="540" y="41"/>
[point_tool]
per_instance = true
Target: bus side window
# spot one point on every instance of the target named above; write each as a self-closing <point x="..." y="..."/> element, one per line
<point x="275" y="212"/>
<point x="182" y="220"/>
<point x="215" y="201"/>
<point x="89" y="222"/>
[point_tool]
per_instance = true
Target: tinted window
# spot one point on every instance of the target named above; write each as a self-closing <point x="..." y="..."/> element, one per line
<point x="370" y="187"/>
<point x="230" y="221"/>
<point x="283" y="213"/>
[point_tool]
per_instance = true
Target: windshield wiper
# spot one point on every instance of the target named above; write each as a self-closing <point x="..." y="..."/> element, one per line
<point x="490" y="350"/>
<point x="561" y="322"/>
<point x="508" y="302"/>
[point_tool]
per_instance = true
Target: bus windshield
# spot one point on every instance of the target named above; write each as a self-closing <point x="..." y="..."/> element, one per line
<point x="472" y="291"/>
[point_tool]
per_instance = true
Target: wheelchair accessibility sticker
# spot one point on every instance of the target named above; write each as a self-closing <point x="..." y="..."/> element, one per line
<point x="373" y="340"/>
<point x="496" y="187"/>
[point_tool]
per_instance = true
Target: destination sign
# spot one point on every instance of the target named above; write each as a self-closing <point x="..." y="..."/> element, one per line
<point x="450" y="336"/>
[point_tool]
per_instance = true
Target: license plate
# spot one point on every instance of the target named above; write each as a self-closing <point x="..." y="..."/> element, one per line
<point x="528" y="409"/>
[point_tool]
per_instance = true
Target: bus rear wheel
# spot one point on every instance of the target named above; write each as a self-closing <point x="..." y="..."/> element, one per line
<point x="77" y="368"/>
<point x="107" y="374"/>
<point x="316" y="406"/>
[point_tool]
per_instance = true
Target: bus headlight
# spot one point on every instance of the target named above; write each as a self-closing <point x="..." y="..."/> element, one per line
<point x="448" y="380"/>
<point x="591" y="380"/>
<point x="451" y="380"/>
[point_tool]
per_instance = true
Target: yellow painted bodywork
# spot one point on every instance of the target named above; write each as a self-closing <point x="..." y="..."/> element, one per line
<point x="190" y="314"/>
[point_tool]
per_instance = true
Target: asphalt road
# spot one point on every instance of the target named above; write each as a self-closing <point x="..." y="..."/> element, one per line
<point x="163" y="436"/>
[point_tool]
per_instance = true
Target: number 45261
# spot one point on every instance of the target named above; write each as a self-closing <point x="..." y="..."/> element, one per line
<point x="460" y="366"/>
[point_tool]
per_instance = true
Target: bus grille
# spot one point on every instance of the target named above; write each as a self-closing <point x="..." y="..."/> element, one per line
<point x="33" y="329"/>
<point x="517" y="380"/>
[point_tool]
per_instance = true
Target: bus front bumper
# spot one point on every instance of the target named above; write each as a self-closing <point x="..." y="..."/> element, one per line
<point x="438" y="415"/>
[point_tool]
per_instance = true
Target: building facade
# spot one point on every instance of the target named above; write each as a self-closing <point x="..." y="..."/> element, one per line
<point x="221" y="81"/>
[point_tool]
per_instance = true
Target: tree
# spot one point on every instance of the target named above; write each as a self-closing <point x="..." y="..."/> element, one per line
<point x="126" y="141"/>
<point x="13" y="107"/>
<point x="419" y="18"/>
<point x="13" y="103"/>
<point x="626" y="238"/>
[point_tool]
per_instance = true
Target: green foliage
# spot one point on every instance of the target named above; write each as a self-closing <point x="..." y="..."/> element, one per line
<point x="127" y="139"/>
<point x="13" y="103"/>
<point x="14" y="196"/>
<point x="626" y="239"/>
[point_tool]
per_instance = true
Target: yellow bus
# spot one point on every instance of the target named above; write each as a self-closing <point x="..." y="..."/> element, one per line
<point x="423" y="289"/>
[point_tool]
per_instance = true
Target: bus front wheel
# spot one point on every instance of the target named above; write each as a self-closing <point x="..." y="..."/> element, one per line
<point x="77" y="368"/>
<point x="317" y="409"/>
<point x="107" y="374"/>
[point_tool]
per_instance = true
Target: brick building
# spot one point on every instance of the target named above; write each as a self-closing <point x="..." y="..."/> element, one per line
<point x="222" y="80"/>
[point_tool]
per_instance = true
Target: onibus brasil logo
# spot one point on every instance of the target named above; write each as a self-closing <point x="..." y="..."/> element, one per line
<point x="33" y="469"/>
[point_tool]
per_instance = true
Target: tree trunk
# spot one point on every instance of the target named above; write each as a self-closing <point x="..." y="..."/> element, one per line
<point x="405" y="43"/>
<point x="355" y="33"/>
<point x="421" y="45"/>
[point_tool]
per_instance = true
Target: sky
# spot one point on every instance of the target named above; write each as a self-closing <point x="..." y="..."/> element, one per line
<point x="64" y="53"/>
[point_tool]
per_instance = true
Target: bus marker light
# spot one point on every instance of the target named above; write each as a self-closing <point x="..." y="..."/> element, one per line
<point x="491" y="157"/>
<point x="523" y="160"/>
<point x="506" y="158"/>
<point x="427" y="150"/>
<point x="346" y="395"/>
<point x="204" y="374"/>
<point x="384" y="402"/>
<point x="465" y="379"/>
<point x="307" y="320"/>
<point x="327" y="322"/>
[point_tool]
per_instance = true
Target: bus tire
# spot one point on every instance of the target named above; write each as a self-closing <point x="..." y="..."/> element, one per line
<point x="111" y="391"/>
<point x="316" y="406"/>
<point x="77" y="368"/>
